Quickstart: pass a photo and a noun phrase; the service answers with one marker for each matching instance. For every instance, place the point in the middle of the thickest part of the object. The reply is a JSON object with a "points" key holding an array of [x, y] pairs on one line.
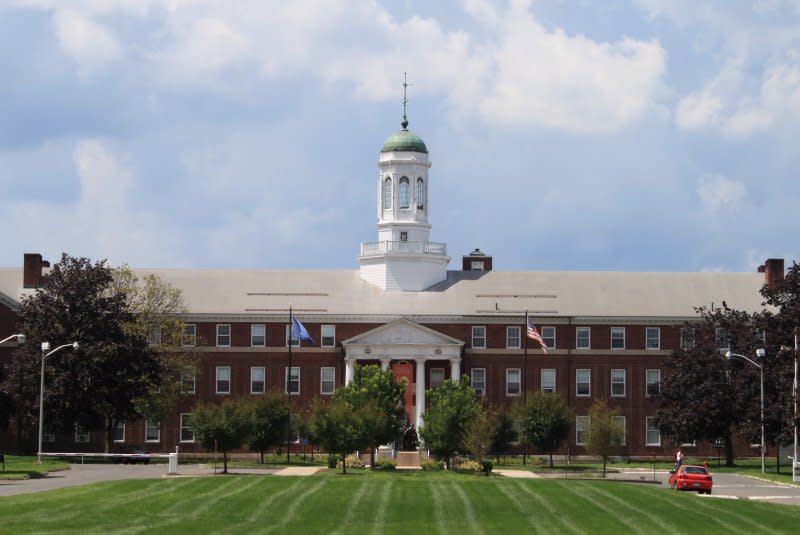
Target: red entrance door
{"points": [[404, 370]]}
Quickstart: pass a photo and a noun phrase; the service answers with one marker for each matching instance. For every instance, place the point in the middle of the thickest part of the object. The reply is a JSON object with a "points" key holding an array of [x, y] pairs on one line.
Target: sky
{"points": [[637, 135]]}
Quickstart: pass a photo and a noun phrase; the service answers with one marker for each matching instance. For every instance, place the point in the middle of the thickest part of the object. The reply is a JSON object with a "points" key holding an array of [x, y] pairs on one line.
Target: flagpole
{"points": [[289, 392], [525, 386]]}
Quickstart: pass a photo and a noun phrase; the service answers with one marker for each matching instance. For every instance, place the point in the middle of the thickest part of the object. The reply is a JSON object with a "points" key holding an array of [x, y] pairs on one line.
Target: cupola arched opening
{"points": [[420, 194], [387, 193], [403, 193]]}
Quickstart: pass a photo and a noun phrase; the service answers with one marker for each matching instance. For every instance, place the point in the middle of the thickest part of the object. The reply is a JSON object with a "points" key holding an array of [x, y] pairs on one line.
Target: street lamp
{"points": [[20, 338], [46, 353], [760, 353]]}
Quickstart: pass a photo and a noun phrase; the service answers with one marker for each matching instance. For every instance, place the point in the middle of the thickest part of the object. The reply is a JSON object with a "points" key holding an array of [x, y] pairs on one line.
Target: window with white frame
{"points": [[652, 433], [223, 335], [327, 380], [387, 193], [82, 435], [187, 433], [652, 382], [118, 433], [223, 380], [512, 337], [582, 424], [549, 337], [617, 337], [687, 338], [617, 383], [292, 385], [152, 431], [437, 377], [188, 379], [257, 379], [328, 338], [722, 339], [478, 380], [759, 336], [620, 420], [189, 334], [478, 337], [548, 380], [583, 338], [583, 382], [258, 335], [513, 382], [403, 193], [295, 342], [420, 194], [653, 338]]}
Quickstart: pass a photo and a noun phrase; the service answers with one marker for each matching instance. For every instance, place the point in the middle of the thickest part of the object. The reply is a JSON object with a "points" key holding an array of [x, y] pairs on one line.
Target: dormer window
{"points": [[387, 194], [420, 194], [404, 193]]}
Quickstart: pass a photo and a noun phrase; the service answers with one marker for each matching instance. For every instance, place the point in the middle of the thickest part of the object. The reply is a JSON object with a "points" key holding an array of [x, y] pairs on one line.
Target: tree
{"points": [[337, 427], [223, 427], [605, 433], [378, 389], [543, 421], [452, 406], [479, 432], [97, 384], [270, 418], [504, 434]]}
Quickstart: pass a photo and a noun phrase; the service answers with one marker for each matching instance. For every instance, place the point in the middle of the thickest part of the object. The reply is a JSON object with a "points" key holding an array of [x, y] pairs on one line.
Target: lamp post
{"points": [[46, 353], [760, 353], [20, 339]]}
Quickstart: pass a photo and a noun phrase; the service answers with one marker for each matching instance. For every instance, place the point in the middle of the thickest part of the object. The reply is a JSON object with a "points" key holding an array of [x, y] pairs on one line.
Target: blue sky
{"points": [[564, 135]]}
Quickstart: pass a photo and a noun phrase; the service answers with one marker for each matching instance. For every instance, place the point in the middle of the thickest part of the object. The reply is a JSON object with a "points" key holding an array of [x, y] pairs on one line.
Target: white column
{"points": [[349, 372], [420, 403], [455, 369], [385, 363]]}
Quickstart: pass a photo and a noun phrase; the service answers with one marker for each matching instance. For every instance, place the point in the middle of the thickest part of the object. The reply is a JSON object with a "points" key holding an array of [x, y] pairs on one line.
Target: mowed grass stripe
{"points": [[378, 527], [539, 492], [291, 511], [610, 520], [457, 487], [358, 509], [438, 507], [733, 522], [538, 522], [646, 516], [263, 508]]}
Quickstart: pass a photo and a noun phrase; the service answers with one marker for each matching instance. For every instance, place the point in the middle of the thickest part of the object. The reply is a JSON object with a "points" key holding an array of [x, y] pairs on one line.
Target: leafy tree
{"points": [[337, 427], [504, 434], [543, 421], [605, 433], [98, 384], [378, 389], [223, 427], [452, 407], [479, 432], [270, 418]]}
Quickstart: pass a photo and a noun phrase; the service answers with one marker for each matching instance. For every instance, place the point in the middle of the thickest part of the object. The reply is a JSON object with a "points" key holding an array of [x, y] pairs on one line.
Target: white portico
{"points": [[404, 342]]}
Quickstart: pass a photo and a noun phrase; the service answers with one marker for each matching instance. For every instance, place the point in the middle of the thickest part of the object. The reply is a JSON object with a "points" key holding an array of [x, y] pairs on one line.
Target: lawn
{"points": [[24, 467], [383, 503]]}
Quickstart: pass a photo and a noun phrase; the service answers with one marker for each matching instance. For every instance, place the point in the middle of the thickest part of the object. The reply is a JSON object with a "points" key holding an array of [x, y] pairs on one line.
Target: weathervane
{"points": [[404, 124]]}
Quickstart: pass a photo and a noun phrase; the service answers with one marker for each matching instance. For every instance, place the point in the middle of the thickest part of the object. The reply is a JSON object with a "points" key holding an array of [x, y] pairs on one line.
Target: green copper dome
{"points": [[404, 140]]}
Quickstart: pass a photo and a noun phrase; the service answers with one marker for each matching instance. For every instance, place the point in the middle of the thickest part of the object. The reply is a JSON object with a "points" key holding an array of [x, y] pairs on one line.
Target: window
{"points": [[653, 338], [653, 382], [549, 337], [476, 265], [512, 337], [420, 194], [223, 379], [722, 338], [223, 335], [652, 434], [327, 380], [478, 377], [583, 383], [387, 194], [187, 382], [478, 337], [583, 339], [152, 431], [617, 383], [187, 433], [403, 235], [617, 337], [295, 342], [118, 433], [513, 382], [437, 377], [687, 338], [582, 424], [258, 335], [257, 375], [328, 336], [403, 194], [154, 335], [292, 385], [621, 423], [548, 380], [189, 334], [82, 434]]}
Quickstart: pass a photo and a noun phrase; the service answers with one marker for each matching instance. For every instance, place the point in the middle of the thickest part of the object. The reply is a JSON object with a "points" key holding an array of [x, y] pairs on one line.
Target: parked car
{"points": [[138, 454], [690, 477]]}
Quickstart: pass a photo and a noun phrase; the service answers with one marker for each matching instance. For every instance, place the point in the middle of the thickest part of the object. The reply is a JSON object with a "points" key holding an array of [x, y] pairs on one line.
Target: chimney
{"points": [[477, 260], [32, 270], [773, 271]]}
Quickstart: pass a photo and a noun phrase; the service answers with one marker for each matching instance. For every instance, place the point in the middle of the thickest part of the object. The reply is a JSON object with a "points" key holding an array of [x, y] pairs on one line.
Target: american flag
{"points": [[533, 334]]}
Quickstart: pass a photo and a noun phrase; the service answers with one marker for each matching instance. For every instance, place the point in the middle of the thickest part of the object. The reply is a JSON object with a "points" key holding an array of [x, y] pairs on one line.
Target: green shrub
{"points": [[385, 464], [468, 466], [430, 464], [486, 466], [352, 462], [332, 461]]}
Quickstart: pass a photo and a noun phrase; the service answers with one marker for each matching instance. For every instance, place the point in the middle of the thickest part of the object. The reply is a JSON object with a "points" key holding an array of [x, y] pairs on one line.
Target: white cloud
{"points": [[717, 191], [87, 42]]}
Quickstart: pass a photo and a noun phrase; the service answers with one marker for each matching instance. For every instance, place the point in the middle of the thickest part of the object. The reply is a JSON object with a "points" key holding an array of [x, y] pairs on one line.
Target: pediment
{"points": [[402, 332]]}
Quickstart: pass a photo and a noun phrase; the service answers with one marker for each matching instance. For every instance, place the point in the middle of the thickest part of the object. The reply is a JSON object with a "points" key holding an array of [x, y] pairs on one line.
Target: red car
{"points": [[689, 477]]}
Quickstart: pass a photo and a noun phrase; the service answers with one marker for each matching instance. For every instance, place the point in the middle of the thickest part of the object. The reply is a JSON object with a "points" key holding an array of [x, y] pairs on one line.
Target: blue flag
{"points": [[299, 331]]}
